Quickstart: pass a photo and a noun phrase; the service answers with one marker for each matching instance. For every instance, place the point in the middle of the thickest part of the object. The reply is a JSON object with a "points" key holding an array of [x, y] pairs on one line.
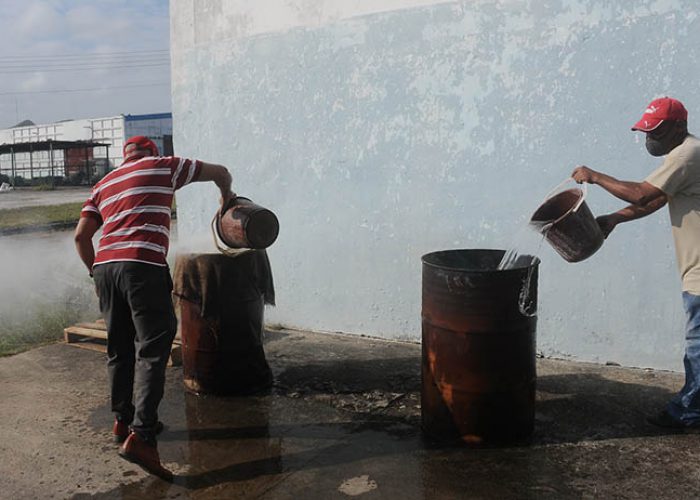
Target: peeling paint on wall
{"points": [[380, 135]]}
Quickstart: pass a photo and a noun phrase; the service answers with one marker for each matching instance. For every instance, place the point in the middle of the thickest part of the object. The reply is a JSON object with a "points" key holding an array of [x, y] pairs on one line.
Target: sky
{"points": [[70, 59]]}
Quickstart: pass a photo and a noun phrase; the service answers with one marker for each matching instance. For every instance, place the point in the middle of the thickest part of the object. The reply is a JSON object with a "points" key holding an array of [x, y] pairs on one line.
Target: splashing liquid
{"points": [[525, 303], [521, 254], [522, 248]]}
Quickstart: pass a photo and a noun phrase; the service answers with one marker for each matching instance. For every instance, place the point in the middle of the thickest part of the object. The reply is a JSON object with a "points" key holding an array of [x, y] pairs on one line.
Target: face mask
{"points": [[657, 147], [661, 142]]}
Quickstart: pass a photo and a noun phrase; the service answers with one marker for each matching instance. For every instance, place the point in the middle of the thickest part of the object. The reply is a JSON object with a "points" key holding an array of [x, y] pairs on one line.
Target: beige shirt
{"points": [[679, 178]]}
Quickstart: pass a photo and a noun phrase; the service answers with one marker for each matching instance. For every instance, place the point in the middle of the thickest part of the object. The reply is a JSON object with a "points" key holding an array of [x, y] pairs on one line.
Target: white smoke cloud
{"points": [[42, 284]]}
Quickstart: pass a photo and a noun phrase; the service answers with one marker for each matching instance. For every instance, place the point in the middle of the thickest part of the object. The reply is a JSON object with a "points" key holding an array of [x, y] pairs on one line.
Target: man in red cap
{"points": [[676, 182], [132, 205]]}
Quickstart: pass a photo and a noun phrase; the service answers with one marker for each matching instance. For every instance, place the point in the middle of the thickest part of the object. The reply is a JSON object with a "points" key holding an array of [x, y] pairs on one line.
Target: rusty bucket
{"points": [[478, 347], [568, 224], [243, 224]]}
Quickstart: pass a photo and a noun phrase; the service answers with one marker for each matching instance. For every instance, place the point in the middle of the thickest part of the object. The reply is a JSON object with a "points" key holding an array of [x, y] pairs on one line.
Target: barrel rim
{"points": [[579, 194], [535, 262]]}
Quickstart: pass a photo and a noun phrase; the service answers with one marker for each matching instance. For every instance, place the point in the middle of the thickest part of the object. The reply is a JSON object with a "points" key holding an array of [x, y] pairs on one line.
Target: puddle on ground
{"points": [[240, 446]]}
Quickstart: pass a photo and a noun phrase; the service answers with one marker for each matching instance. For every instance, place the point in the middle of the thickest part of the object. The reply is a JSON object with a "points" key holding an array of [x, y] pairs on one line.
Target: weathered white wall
{"points": [[382, 130]]}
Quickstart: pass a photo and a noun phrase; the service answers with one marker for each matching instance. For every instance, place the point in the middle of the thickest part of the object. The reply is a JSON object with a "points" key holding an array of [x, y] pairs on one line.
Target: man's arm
{"points": [[220, 176], [86, 229], [636, 193], [608, 222]]}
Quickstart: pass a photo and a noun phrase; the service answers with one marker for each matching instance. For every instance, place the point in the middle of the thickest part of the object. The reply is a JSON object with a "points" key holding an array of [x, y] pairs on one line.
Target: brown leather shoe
{"points": [[145, 455], [120, 431]]}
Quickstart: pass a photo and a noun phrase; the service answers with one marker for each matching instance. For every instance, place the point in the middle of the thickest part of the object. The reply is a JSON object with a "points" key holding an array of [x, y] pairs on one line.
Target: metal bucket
{"points": [[568, 224], [243, 224], [478, 348]]}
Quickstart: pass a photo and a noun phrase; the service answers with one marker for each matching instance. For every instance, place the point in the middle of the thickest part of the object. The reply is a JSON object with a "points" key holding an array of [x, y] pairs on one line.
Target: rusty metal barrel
{"points": [[478, 347], [220, 304]]}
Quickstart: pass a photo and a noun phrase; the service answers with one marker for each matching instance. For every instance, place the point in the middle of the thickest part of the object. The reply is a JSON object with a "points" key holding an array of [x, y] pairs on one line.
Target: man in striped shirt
{"points": [[132, 205]]}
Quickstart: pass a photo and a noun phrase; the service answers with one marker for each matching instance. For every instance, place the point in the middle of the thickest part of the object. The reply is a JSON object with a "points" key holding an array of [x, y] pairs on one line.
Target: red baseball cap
{"points": [[659, 110], [142, 142]]}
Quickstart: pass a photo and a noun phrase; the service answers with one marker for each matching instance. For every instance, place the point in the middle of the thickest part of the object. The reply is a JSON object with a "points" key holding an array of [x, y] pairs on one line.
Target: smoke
{"points": [[202, 241], [44, 287]]}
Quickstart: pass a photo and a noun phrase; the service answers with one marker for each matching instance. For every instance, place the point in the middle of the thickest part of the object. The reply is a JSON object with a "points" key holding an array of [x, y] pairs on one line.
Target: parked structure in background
{"points": [[77, 164], [75, 151]]}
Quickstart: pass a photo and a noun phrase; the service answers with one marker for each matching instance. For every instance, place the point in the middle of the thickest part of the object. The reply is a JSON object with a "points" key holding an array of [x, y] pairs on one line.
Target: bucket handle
{"points": [[584, 189]]}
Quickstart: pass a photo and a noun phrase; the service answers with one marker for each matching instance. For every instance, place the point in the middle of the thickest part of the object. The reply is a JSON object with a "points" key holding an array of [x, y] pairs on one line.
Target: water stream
{"points": [[525, 247], [526, 244]]}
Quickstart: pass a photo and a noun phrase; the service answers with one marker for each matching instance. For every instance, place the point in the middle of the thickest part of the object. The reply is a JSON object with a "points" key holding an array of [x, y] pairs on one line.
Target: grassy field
{"points": [[43, 327], [42, 321], [31, 216]]}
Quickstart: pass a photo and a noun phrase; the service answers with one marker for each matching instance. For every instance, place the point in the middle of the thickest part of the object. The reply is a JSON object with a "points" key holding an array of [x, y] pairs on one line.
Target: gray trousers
{"points": [[136, 302]]}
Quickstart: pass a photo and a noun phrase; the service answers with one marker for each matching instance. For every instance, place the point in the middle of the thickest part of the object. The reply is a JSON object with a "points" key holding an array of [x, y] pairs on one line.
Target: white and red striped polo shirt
{"points": [[132, 203]]}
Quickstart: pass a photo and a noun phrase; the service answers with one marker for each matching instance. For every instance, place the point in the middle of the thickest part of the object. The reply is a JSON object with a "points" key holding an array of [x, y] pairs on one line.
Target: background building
{"points": [[111, 131]]}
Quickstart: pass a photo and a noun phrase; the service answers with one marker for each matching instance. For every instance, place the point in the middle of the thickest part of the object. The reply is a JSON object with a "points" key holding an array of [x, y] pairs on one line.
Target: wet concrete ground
{"points": [[342, 421]]}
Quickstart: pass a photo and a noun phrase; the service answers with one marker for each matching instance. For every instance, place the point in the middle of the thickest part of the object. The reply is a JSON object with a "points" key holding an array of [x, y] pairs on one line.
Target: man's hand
{"points": [[607, 223], [225, 199], [584, 174]]}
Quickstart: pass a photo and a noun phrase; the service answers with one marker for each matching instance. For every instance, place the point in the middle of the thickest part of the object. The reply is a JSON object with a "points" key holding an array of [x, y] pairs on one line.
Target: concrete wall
{"points": [[382, 130]]}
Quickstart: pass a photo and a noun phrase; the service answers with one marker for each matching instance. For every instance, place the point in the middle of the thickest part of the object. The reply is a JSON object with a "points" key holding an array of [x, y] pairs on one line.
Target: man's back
{"points": [[133, 205]]}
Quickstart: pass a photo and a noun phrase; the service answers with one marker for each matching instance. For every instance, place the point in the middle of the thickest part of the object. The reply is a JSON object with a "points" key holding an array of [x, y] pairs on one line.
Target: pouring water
{"points": [[524, 247]]}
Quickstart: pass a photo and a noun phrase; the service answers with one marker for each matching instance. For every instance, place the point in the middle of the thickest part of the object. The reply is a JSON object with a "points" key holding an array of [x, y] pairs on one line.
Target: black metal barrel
{"points": [[478, 350]]}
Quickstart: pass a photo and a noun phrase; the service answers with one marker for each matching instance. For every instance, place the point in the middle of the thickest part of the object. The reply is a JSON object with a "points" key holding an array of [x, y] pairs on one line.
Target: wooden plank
{"points": [[99, 325], [93, 326], [93, 339], [86, 332], [80, 331]]}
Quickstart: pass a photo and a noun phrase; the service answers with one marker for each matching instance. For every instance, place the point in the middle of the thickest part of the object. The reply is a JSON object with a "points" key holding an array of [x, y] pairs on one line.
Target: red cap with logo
{"points": [[142, 142], [660, 110]]}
